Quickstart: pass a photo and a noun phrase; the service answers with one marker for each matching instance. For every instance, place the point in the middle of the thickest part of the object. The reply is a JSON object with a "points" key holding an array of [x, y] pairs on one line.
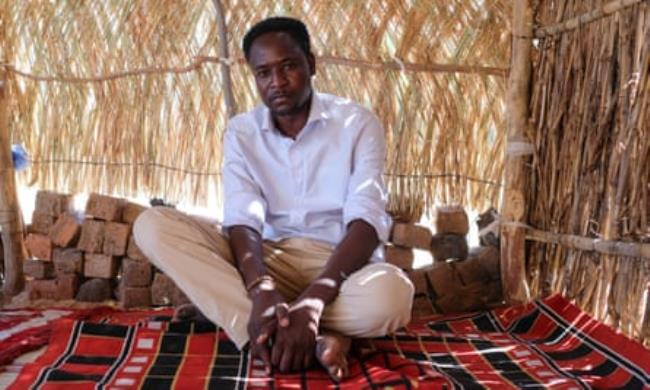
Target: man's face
{"points": [[282, 72]]}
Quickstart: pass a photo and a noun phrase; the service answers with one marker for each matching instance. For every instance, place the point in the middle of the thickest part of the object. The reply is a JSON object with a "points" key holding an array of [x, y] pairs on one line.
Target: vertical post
{"points": [[10, 218], [231, 106], [516, 173]]}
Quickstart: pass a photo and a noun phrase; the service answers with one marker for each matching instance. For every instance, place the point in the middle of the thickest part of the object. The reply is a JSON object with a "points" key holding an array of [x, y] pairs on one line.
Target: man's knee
{"points": [[149, 226], [390, 294]]}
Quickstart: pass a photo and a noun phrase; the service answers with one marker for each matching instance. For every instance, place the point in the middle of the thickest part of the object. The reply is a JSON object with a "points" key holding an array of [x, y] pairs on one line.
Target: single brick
{"points": [[100, 266], [489, 258], [52, 203], [422, 307], [41, 223], [94, 290], [39, 246], [38, 269], [451, 220], [133, 251], [494, 293], [65, 231], [179, 298], [104, 207], [470, 271], [463, 299], [448, 246], [419, 279], [131, 212], [399, 256], [411, 236], [443, 278], [116, 238], [134, 296], [136, 273], [488, 227], [162, 290], [92, 236], [67, 285], [42, 289], [68, 261]]}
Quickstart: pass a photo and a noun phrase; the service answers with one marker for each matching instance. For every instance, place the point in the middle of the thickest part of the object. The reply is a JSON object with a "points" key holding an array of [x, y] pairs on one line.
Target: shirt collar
{"points": [[317, 112]]}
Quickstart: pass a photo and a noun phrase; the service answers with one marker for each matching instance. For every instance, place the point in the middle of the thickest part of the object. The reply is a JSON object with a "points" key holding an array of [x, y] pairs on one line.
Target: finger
{"points": [[287, 361], [298, 362], [264, 354], [282, 314], [276, 354], [266, 332], [308, 360]]}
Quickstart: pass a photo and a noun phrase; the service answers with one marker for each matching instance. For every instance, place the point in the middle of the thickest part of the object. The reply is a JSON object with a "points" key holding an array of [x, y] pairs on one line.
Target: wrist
{"points": [[261, 284], [325, 290], [312, 308]]}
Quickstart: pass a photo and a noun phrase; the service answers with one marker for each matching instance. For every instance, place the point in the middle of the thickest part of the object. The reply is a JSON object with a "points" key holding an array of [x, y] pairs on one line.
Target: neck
{"points": [[291, 124]]}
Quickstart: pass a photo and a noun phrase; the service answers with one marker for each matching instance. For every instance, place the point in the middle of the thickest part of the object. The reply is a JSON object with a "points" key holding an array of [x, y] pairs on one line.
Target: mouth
{"points": [[279, 97]]}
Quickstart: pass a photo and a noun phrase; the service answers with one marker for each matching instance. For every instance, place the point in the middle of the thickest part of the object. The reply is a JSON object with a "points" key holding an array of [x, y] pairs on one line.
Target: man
{"points": [[298, 271]]}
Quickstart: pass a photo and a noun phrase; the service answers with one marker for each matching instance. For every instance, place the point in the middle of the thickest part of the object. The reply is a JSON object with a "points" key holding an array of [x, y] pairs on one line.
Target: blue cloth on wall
{"points": [[20, 157]]}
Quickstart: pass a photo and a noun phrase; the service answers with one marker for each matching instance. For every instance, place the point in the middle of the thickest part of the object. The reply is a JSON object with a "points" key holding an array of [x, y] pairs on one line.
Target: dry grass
{"points": [[160, 133], [591, 171]]}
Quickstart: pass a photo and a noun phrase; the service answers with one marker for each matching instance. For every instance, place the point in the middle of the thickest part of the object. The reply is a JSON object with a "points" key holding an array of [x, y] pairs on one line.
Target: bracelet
{"points": [[259, 280]]}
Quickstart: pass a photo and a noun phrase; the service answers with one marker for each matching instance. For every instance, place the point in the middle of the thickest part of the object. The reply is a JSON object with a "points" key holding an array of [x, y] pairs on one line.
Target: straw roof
{"points": [[434, 71]]}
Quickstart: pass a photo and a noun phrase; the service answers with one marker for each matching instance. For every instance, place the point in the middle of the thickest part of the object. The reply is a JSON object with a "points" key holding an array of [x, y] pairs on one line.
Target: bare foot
{"points": [[189, 312], [332, 351]]}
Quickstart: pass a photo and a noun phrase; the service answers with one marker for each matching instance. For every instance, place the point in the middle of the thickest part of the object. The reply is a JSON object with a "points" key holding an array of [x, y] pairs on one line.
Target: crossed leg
{"points": [[372, 302]]}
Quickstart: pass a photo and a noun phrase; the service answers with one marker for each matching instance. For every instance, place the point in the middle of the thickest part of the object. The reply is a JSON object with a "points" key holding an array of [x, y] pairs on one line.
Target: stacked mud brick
{"points": [[94, 257], [52, 271], [460, 279], [404, 239]]}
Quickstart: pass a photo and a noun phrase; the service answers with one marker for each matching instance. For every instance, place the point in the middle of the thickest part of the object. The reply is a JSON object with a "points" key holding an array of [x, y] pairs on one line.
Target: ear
{"points": [[311, 60]]}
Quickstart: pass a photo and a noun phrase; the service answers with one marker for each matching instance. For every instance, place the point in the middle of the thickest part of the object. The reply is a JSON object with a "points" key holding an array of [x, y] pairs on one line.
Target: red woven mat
{"points": [[547, 343], [25, 330]]}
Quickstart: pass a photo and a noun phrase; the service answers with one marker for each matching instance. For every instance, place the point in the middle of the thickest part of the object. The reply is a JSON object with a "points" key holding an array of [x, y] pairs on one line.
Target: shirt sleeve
{"points": [[366, 196], [243, 200]]}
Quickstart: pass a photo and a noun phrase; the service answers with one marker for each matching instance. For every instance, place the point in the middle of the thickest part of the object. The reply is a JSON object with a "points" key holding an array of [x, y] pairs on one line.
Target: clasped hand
{"points": [[283, 335]]}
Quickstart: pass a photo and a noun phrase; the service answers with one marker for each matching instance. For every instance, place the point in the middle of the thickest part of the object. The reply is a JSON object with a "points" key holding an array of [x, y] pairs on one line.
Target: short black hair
{"points": [[294, 27]]}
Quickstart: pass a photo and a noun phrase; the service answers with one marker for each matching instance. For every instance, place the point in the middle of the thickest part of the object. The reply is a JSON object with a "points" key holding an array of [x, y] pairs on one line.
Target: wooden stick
{"points": [[411, 67], [593, 15], [231, 106], [608, 247], [10, 218], [199, 61], [516, 175]]}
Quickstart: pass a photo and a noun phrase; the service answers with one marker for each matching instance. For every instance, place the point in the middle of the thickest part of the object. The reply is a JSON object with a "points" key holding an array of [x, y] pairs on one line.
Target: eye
{"points": [[289, 66], [262, 73]]}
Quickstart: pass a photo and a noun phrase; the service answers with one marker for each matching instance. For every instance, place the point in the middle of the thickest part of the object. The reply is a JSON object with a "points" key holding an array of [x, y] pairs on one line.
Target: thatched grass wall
{"points": [[435, 73], [591, 170]]}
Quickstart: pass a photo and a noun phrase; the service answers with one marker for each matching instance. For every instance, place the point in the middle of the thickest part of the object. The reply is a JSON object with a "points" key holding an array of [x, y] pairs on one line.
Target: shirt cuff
{"points": [[248, 211], [380, 221]]}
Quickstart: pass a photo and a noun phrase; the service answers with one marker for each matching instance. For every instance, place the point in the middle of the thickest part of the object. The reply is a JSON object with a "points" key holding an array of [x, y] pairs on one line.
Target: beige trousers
{"points": [[374, 301]]}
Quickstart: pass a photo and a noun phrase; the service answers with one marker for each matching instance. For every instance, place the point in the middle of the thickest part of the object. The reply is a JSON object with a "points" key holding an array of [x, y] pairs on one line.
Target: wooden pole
{"points": [[593, 15], [607, 247], [516, 172], [412, 67], [10, 217], [231, 106], [199, 61]]}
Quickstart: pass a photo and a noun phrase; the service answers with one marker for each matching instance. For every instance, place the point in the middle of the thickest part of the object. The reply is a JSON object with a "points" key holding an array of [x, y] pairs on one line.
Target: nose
{"points": [[279, 78]]}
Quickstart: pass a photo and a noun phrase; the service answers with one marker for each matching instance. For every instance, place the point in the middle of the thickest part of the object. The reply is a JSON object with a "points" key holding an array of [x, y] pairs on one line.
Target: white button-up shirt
{"points": [[313, 186]]}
